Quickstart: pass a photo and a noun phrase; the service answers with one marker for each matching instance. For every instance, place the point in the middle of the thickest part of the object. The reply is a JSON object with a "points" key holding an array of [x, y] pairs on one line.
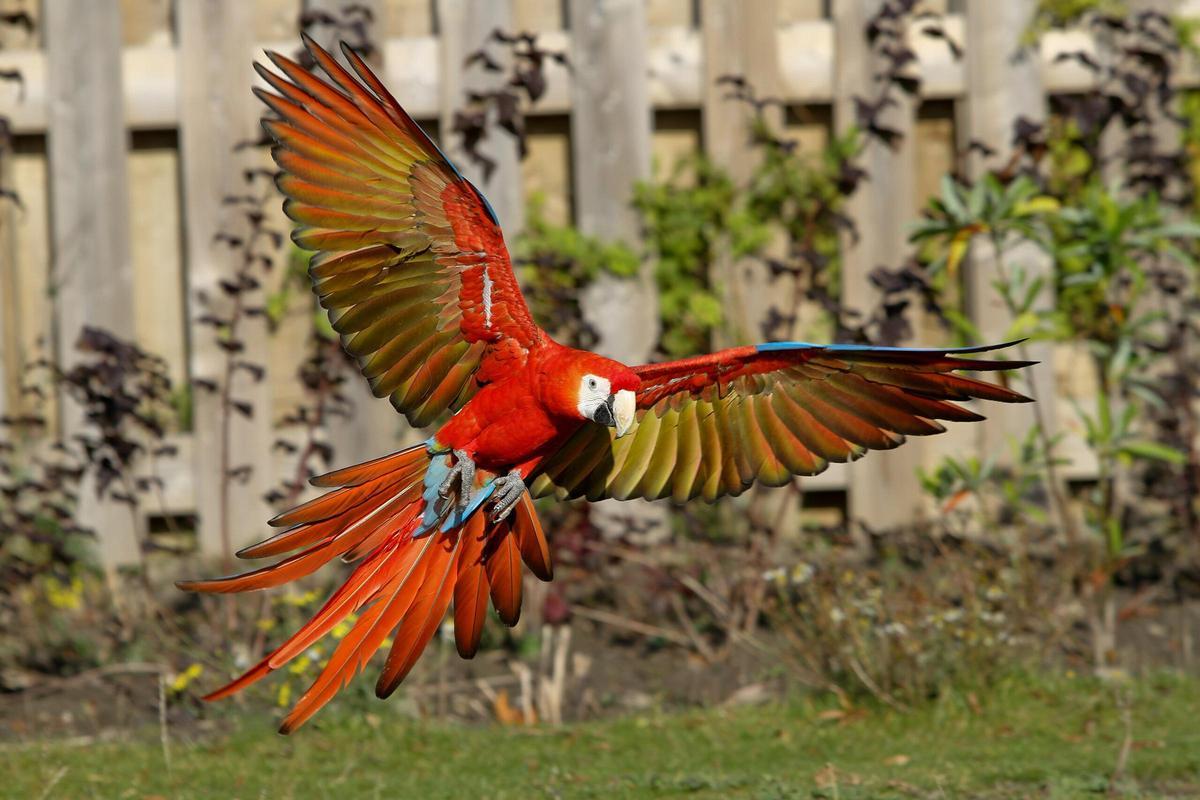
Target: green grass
{"points": [[1057, 738]]}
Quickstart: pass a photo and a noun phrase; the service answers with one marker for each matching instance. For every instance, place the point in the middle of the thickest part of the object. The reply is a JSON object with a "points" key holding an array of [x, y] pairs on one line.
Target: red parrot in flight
{"points": [[411, 265]]}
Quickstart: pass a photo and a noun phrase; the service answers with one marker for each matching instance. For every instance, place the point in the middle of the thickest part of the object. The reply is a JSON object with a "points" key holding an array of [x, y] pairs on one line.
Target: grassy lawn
{"points": [[1055, 738]]}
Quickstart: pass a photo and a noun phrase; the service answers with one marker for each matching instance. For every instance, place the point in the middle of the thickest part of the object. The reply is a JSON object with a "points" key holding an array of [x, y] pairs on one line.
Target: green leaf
{"points": [[977, 200], [1042, 204], [951, 200], [276, 307], [1141, 448], [1024, 326], [1181, 230], [706, 308], [324, 328]]}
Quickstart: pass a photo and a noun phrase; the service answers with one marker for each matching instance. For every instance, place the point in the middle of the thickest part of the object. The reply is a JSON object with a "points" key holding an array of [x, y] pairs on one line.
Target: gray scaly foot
{"points": [[464, 472], [508, 491]]}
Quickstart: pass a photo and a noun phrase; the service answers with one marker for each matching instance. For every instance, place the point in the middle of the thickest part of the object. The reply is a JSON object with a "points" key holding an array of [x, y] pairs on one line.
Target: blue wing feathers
{"points": [[785, 347]]}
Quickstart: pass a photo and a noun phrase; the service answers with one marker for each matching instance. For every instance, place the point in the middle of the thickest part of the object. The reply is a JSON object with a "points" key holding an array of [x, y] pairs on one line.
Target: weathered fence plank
{"points": [[156, 227], [996, 98], [739, 41], [466, 26], [373, 427], [10, 320], [92, 269], [152, 99], [28, 303], [611, 128], [881, 209], [217, 113]]}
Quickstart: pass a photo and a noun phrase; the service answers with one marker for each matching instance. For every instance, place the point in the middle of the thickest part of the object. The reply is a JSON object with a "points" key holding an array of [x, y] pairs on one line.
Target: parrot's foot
{"points": [[463, 471], [509, 489]]}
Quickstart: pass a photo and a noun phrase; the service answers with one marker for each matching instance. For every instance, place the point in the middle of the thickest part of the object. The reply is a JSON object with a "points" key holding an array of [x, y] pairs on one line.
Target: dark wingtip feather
{"points": [[980, 365], [310, 44], [279, 59], [983, 348], [267, 98], [263, 72], [987, 348]]}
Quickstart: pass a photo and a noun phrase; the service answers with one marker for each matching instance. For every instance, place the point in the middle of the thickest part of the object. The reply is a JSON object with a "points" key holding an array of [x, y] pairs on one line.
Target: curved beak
{"points": [[623, 404]]}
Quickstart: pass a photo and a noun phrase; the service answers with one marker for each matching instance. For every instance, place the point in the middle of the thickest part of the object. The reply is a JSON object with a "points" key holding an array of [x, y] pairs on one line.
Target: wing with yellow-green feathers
{"points": [[410, 260], [714, 425]]}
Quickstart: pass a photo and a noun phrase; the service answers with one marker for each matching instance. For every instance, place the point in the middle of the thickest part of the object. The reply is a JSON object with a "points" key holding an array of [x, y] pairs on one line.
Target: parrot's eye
{"points": [[591, 383]]}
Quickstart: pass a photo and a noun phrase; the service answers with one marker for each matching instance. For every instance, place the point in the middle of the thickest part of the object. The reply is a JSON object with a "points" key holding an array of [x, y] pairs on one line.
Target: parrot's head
{"points": [[597, 389]]}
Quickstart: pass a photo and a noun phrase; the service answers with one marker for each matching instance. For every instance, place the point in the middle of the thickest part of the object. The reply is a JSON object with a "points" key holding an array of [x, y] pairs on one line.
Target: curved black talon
{"points": [[462, 471], [509, 489]]}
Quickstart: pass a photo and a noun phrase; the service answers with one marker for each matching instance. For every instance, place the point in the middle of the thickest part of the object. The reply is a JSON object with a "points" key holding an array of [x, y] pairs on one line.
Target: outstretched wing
{"points": [[411, 262], [713, 425]]}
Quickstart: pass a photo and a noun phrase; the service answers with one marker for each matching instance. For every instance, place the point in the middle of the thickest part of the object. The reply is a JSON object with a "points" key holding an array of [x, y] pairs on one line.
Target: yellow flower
{"points": [[301, 600], [284, 695], [187, 676], [65, 596]]}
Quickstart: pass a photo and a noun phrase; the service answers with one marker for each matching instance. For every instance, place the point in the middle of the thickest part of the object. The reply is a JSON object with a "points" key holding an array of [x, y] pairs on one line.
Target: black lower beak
{"points": [[604, 413]]}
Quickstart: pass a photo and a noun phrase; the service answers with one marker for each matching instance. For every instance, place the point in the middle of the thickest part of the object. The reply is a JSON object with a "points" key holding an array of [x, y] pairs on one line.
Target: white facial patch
{"points": [[593, 393]]}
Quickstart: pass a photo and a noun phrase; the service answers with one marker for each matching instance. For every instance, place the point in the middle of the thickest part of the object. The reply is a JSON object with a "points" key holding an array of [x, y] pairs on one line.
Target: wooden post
{"points": [[739, 39], [995, 98], [216, 113], [373, 427], [883, 488], [10, 353], [92, 270], [611, 127], [466, 26], [28, 305]]}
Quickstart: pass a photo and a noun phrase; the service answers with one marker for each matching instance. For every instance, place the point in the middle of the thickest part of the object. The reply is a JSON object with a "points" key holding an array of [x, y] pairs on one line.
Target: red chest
{"points": [[505, 425]]}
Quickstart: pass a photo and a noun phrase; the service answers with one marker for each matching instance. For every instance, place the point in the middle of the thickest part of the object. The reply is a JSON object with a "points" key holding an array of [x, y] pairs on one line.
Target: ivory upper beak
{"points": [[624, 406]]}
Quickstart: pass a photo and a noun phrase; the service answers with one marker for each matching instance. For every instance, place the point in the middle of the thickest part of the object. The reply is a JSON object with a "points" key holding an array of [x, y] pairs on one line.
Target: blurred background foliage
{"points": [[1020, 569]]}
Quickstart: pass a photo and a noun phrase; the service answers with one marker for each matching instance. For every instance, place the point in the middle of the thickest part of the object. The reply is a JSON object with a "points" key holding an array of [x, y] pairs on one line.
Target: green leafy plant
{"points": [[988, 493], [1106, 247], [1057, 14], [556, 262], [684, 219]]}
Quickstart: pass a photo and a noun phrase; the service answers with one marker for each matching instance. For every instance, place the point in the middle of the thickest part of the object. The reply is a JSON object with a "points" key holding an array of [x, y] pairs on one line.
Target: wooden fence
{"points": [[125, 151]]}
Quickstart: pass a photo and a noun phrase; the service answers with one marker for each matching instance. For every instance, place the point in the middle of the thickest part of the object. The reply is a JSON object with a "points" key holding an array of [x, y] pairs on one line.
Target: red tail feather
{"points": [[405, 584], [503, 563]]}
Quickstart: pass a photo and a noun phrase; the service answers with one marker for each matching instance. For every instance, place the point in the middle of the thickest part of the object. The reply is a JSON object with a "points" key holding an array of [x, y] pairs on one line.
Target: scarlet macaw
{"points": [[412, 267]]}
